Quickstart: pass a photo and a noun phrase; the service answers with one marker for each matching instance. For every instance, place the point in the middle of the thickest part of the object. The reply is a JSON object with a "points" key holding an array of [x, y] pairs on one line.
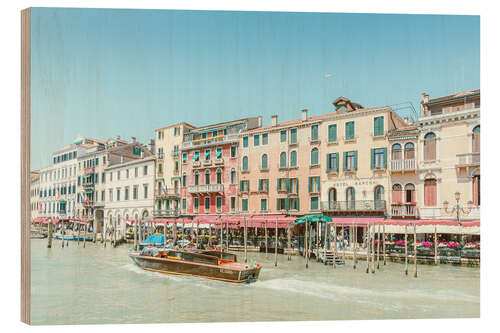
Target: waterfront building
{"points": [[167, 190], [129, 175], [210, 161], [58, 181], [34, 194], [449, 154]]}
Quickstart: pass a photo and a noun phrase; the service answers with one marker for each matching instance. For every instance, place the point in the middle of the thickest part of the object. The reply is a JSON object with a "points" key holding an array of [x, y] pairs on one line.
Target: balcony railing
{"points": [[404, 210], [468, 159], [196, 164], [217, 140], [166, 212], [207, 188], [207, 162], [353, 205], [314, 140], [218, 161], [403, 165], [168, 194], [175, 153]]}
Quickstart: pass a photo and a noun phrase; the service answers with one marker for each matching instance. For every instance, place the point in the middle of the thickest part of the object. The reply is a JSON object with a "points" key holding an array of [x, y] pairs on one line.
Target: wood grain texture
{"points": [[25, 165]]}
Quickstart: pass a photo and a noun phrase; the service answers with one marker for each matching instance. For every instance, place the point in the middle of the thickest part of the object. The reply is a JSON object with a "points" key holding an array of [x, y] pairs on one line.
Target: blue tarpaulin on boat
{"points": [[153, 240]]}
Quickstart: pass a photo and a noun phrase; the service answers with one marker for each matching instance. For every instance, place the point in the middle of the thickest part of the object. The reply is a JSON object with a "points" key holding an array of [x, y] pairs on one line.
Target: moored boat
{"points": [[207, 264]]}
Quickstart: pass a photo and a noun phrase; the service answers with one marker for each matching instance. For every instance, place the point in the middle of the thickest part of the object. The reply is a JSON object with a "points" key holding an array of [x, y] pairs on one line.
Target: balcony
{"points": [[167, 195], [468, 160], [315, 140], [175, 153], [407, 210], [207, 188], [293, 142], [88, 185], [332, 171], [217, 140], [87, 171], [207, 162], [166, 213], [353, 206], [196, 164], [160, 156], [403, 165], [218, 161]]}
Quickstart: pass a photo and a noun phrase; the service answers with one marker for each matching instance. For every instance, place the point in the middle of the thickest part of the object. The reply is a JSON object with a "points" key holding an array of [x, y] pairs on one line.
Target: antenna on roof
{"points": [[405, 109]]}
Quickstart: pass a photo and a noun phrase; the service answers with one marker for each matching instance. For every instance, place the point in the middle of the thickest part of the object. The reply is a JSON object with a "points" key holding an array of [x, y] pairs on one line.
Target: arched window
{"points": [[283, 160], [233, 176], [397, 194], [396, 151], [244, 165], [378, 197], [263, 164], [410, 193], [332, 198], [475, 139], [196, 178], [219, 176], [430, 147], [351, 197], [430, 192], [207, 177], [409, 151], [293, 159], [314, 156], [476, 190]]}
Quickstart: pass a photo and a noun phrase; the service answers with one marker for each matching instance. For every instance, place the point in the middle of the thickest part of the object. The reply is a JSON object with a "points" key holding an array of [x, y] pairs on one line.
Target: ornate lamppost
{"points": [[458, 209]]}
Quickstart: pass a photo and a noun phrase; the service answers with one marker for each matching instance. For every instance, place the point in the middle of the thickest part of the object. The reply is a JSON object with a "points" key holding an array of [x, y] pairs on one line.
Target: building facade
{"points": [[449, 155]]}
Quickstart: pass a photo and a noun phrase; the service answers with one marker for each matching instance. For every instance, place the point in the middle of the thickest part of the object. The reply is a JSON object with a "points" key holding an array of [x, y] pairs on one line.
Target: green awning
{"points": [[62, 201], [311, 219], [218, 153], [184, 157], [89, 191], [210, 130], [161, 178], [207, 153], [196, 156], [87, 175]]}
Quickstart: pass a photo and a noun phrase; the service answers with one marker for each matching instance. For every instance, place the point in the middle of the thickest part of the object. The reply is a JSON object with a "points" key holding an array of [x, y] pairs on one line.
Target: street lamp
{"points": [[458, 209]]}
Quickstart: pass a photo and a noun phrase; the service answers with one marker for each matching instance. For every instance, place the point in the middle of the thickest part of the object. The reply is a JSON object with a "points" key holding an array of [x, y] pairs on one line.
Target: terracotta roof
{"points": [[176, 124], [457, 95]]}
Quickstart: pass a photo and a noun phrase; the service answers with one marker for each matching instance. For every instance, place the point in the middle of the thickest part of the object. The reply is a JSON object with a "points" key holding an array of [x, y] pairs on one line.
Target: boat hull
{"points": [[180, 267]]}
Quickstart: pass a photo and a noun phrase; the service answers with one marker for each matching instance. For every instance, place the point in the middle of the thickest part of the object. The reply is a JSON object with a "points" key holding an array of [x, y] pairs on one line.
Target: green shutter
{"points": [[332, 133], [372, 154], [355, 160], [277, 204], [287, 204], [241, 186], [287, 182], [385, 158], [297, 201], [345, 160], [319, 184], [337, 162]]}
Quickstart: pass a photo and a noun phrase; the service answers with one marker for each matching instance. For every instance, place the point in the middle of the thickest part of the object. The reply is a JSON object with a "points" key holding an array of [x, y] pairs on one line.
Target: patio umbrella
{"points": [[311, 218]]}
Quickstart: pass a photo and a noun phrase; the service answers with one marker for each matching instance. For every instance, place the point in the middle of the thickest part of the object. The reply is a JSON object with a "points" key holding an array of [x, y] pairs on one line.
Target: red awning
{"points": [[475, 223], [356, 221]]}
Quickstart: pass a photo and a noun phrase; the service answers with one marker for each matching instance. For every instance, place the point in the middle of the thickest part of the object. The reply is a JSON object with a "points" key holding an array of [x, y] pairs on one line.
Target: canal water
{"points": [[101, 285]]}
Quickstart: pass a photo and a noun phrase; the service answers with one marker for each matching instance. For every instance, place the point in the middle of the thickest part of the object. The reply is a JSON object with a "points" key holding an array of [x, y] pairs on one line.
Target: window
{"points": [[351, 197], [263, 164], [184, 157], [378, 126], [396, 152], [293, 159], [476, 135], [110, 194], [145, 171], [349, 130], [245, 141], [283, 136], [378, 197], [233, 176], [350, 160], [184, 204], [332, 198], [314, 184], [378, 158], [294, 186], [256, 140], [410, 193], [127, 172], [145, 191], [263, 205], [283, 184], [218, 175], [332, 133], [117, 194], [103, 194], [207, 177], [196, 204], [196, 177], [293, 135], [397, 194], [111, 176], [264, 185], [233, 151], [409, 151], [244, 205], [126, 193], [332, 162], [283, 160], [118, 175], [264, 139], [430, 198], [244, 186], [207, 204], [207, 155], [314, 156], [218, 153], [134, 192], [314, 132], [283, 203], [244, 164], [314, 203], [430, 147], [476, 190], [136, 172], [218, 203], [233, 204]]}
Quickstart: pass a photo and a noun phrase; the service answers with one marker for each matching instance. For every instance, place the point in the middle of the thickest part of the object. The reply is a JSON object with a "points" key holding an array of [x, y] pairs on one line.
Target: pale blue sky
{"points": [[106, 72]]}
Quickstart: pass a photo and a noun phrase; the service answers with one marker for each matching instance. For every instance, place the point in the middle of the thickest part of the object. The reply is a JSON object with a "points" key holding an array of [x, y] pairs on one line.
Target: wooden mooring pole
{"points": [[289, 242], [135, 235], [245, 237], [197, 233], [317, 240], [182, 235], [383, 238], [378, 247], [276, 244], [265, 234], [355, 236], [306, 250], [415, 249], [406, 250], [334, 246], [435, 246], [62, 234], [368, 235], [78, 233], [373, 248], [85, 235], [165, 234], [342, 242], [49, 237]]}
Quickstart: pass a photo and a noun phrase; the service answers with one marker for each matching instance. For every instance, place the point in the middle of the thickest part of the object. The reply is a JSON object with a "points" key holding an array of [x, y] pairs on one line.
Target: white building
{"points": [[129, 193]]}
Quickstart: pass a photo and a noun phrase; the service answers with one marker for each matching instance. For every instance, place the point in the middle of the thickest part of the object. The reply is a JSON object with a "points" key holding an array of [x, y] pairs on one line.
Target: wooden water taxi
{"points": [[207, 264]]}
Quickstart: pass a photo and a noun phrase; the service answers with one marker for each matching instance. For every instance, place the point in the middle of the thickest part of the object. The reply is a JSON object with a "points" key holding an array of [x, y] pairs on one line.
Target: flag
{"points": [[165, 190], [57, 193], [40, 206]]}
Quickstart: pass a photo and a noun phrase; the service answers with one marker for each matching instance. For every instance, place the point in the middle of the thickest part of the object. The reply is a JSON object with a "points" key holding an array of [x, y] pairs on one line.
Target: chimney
{"points": [[117, 137], [151, 144], [425, 98], [304, 114], [133, 139], [406, 120], [121, 159], [274, 120], [259, 121], [424, 109]]}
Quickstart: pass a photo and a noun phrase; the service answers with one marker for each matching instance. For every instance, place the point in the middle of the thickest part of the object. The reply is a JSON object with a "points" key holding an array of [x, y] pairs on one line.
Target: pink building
{"points": [[209, 164]]}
